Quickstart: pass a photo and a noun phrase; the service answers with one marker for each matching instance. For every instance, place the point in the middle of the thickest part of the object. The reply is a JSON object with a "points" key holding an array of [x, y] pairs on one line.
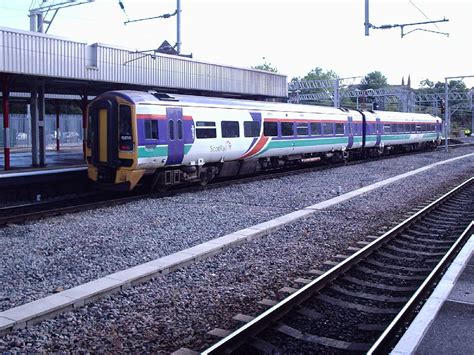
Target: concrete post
{"points": [[84, 103], [6, 122], [56, 106], [41, 121], [34, 125]]}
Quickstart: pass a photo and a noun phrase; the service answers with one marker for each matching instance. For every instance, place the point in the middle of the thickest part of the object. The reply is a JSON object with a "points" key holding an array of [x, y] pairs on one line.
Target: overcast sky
{"points": [[293, 35]]}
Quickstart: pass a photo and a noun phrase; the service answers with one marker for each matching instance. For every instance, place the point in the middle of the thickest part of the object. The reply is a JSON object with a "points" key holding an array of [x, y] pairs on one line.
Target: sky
{"points": [[295, 36]]}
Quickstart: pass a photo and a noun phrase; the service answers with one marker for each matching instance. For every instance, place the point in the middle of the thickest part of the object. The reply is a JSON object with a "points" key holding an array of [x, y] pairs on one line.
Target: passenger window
{"points": [[339, 128], [387, 128], [315, 128], [287, 129], [230, 129], [302, 129], [206, 130], [251, 129], [418, 128], [171, 129], [270, 129], [327, 128], [412, 128], [180, 129], [151, 129]]}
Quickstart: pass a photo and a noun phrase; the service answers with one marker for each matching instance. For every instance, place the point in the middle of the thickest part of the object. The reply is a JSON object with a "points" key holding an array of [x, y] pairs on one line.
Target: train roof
{"points": [[146, 98]]}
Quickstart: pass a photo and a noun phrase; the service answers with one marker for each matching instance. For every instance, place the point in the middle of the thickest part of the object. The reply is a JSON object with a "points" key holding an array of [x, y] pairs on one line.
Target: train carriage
{"points": [[160, 140]]}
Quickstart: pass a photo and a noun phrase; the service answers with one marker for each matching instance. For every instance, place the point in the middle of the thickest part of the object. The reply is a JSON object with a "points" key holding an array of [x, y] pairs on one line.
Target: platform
{"points": [[445, 324], [20, 158], [65, 164]]}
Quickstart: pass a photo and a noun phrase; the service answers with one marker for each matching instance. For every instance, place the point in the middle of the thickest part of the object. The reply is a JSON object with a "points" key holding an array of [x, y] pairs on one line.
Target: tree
{"points": [[426, 84], [318, 74], [373, 80], [267, 67]]}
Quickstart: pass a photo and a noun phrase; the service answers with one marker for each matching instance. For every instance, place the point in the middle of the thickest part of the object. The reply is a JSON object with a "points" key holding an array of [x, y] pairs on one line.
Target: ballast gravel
{"points": [[178, 309], [54, 254]]}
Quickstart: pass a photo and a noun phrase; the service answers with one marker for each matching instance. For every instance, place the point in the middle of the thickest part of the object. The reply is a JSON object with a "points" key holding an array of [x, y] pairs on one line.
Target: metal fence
{"points": [[70, 130]]}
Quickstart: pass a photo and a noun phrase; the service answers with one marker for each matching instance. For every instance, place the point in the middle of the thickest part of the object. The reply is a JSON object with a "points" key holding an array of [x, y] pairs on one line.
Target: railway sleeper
{"points": [[377, 286], [358, 307], [398, 268], [324, 341], [412, 244], [415, 252], [408, 235], [369, 296], [264, 346], [389, 275]]}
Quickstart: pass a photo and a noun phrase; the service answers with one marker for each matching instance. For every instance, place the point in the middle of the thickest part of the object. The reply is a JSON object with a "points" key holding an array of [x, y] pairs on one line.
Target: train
{"points": [[159, 140]]}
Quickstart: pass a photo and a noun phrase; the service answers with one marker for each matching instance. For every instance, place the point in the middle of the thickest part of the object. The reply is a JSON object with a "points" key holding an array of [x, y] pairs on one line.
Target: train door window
{"points": [[180, 129], [327, 128], [287, 129], [230, 129], [315, 128], [302, 129], [151, 129], [251, 129], [206, 130], [125, 128], [339, 128], [171, 130], [270, 129]]}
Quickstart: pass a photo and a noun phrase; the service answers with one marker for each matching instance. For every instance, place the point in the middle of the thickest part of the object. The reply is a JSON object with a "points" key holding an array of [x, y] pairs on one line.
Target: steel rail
{"points": [[261, 322], [383, 343], [45, 211]]}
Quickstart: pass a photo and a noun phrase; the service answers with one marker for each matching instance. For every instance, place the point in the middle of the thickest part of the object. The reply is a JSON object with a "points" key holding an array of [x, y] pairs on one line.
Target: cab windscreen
{"points": [[125, 128]]}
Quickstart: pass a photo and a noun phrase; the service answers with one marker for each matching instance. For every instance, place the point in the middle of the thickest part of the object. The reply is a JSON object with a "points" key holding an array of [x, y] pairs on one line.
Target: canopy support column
{"points": [[6, 122]]}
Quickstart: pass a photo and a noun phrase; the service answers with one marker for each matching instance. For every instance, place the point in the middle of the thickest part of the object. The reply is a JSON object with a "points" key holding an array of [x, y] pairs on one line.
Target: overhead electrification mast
{"points": [[39, 14], [402, 26]]}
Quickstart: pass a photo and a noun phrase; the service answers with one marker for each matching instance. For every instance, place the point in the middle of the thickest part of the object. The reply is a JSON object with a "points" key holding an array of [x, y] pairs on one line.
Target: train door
{"points": [[102, 132], [174, 117], [378, 131], [350, 132]]}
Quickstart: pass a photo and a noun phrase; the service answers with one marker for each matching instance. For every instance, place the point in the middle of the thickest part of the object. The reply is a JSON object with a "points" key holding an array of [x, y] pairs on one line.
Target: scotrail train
{"points": [[140, 138]]}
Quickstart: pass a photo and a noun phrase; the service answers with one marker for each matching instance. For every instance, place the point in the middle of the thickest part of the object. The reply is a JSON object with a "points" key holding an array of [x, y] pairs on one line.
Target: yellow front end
{"points": [[111, 149]]}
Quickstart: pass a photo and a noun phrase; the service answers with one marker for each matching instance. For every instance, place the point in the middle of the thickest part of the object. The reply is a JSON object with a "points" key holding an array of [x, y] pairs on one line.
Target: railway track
{"points": [[362, 303], [91, 200], [96, 199]]}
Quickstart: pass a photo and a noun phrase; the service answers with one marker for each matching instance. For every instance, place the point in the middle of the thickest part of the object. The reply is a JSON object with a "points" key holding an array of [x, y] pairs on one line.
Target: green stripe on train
{"points": [[158, 151], [393, 137], [304, 143]]}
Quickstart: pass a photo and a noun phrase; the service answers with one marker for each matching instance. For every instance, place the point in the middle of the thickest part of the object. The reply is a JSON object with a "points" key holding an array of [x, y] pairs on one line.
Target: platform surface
{"points": [[445, 324], [20, 159]]}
